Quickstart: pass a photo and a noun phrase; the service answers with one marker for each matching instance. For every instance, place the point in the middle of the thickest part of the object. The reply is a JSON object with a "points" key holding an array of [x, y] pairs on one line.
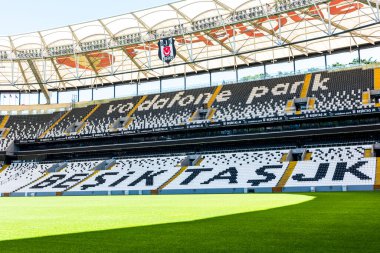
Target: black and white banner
{"points": [[166, 50]]}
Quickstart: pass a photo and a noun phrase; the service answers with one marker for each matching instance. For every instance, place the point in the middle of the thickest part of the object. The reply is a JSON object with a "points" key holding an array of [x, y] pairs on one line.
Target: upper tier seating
{"points": [[169, 109], [104, 117], [340, 91], [258, 99], [75, 115], [27, 127], [332, 92]]}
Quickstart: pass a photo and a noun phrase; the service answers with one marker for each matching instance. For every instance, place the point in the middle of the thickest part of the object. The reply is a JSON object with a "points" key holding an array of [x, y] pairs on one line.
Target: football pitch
{"points": [[313, 222]]}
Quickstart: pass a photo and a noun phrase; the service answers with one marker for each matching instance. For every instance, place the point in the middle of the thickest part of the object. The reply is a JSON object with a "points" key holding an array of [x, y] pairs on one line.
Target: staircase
{"points": [[170, 180], [367, 153], [377, 178], [306, 84], [87, 116], [214, 95], [289, 106], [307, 156], [54, 124], [131, 112], [283, 158], [5, 133], [376, 79], [84, 180], [366, 98], [34, 181], [4, 167], [4, 121], [209, 105], [288, 172]]}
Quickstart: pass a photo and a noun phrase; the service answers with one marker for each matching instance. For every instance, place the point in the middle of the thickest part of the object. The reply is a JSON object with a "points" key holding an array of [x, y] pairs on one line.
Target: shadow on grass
{"points": [[332, 222]]}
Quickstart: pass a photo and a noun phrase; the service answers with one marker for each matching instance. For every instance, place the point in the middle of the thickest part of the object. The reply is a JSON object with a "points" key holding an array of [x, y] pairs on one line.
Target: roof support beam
{"points": [[123, 49], [192, 65], [52, 61], [272, 33], [339, 26], [133, 60], [230, 10], [246, 60], [39, 80], [19, 63], [88, 58], [23, 73]]}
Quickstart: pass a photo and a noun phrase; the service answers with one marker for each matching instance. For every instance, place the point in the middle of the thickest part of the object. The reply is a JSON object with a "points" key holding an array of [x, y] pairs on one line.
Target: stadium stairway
{"points": [[134, 109], [130, 114], [306, 85], [376, 79], [30, 183], [289, 106], [210, 103], [304, 91], [4, 167], [288, 172], [4, 121], [212, 100], [308, 156], [54, 124], [377, 178], [367, 153], [80, 182], [179, 172], [183, 168], [83, 121], [5, 133]]}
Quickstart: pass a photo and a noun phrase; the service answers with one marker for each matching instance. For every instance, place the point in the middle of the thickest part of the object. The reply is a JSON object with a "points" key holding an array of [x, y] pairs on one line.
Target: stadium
{"points": [[198, 125]]}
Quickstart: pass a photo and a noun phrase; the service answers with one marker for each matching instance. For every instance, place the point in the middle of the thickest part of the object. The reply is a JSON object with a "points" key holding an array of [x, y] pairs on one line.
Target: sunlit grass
{"points": [[312, 222], [35, 217]]}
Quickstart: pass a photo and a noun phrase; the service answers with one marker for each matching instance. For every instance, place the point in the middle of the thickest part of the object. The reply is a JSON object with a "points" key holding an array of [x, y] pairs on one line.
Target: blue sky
{"points": [[22, 16]]}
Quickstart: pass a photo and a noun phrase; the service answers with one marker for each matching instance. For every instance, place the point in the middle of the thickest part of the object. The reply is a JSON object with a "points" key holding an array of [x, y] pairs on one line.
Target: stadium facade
{"points": [[197, 97]]}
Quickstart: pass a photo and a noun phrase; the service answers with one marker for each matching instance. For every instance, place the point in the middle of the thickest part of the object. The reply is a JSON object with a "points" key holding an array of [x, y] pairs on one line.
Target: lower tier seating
{"points": [[333, 166]]}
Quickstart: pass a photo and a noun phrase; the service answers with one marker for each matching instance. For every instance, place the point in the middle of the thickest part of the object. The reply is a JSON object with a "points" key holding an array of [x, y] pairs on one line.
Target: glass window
{"points": [[280, 69], [173, 84], [370, 55], [53, 97], [149, 87], [125, 90], [68, 96], [310, 64], [250, 73], [197, 81], [85, 94], [103, 93], [223, 77], [341, 60], [9, 98], [29, 98]]}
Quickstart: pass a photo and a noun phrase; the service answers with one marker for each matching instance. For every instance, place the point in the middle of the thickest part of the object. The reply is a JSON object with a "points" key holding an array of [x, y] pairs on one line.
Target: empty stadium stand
{"points": [[320, 94], [75, 116], [314, 169]]}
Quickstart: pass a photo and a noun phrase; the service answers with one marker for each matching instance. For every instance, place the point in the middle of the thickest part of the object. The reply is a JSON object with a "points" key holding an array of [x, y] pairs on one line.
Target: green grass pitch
{"points": [[313, 222]]}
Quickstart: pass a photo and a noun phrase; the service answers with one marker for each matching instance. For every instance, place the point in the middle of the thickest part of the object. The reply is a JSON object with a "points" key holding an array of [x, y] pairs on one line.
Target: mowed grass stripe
{"points": [[330, 222]]}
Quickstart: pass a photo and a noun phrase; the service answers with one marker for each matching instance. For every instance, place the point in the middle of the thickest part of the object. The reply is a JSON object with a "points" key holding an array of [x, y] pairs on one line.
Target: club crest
{"points": [[166, 50]]}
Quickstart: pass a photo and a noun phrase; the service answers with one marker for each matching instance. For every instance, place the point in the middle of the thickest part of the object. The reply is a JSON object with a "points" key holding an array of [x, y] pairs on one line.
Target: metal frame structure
{"points": [[210, 34]]}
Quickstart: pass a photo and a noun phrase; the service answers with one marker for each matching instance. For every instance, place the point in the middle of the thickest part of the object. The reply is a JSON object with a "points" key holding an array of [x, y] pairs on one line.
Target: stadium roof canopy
{"points": [[210, 34]]}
